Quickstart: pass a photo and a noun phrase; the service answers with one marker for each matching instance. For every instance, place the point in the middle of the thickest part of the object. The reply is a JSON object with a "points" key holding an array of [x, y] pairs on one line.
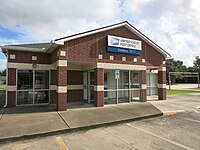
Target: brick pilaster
{"points": [[11, 82], [162, 84], [62, 88], [143, 86], [99, 87]]}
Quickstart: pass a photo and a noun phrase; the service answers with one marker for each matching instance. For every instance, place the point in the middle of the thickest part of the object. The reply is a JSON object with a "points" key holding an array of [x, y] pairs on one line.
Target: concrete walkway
{"points": [[178, 103], [16, 123]]}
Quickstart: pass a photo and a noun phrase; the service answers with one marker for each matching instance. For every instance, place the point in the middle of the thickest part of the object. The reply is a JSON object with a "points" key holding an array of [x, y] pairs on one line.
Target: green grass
{"points": [[176, 92], [2, 86]]}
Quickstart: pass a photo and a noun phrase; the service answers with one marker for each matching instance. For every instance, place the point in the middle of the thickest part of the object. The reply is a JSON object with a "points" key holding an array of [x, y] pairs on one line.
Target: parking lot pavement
{"points": [[179, 131]]}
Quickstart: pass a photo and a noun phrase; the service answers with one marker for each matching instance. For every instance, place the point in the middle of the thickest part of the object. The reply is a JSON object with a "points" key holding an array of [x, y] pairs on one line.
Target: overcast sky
{"points": [[172, 24]]}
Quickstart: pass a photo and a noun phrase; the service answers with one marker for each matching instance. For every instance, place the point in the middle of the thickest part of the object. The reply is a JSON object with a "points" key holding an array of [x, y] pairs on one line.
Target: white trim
{"points": [[126, 24], [62, 53], [111, 57], [162, 86], [62, 89], [143, 60], [143, 86], [100, 56], [34, 57], [98, 87], [123, 58], [12, 56], [61, 42], [135, 60], [53, 87], [162, 69], [60, 63], [29, 66], [120, 66], [21, 48], [74, 87], [12, 88]]}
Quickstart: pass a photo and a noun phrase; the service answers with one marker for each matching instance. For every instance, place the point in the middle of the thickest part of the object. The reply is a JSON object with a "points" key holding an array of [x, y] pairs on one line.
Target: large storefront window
{"points": [[32, 87], [125, 89]]}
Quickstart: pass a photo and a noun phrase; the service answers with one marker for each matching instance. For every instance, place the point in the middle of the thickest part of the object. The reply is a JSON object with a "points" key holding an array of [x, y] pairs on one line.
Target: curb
{"points": [[169, 113], [71, 130]]}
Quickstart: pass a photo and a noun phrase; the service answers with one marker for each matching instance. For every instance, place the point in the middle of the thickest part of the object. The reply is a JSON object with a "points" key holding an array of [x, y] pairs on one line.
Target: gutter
{"points": [[6, 102]]}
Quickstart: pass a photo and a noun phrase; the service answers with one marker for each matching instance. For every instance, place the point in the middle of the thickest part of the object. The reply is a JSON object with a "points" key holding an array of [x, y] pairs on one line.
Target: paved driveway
{"points": [[180, 131]]}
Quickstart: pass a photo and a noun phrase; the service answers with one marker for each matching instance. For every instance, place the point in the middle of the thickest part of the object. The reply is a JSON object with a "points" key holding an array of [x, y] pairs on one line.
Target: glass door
{"points": [[41, 87], [123, 87], [32, 87], [88, 86], [135, 86], [25, 87], [152, 81]]}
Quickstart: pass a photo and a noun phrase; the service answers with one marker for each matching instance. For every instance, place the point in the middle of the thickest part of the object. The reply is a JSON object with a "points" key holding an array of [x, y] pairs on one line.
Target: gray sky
{"points": [[172, 24]]}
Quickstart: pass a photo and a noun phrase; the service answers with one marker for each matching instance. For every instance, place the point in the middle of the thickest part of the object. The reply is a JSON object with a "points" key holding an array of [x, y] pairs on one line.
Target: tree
{"points": [[3, 72], [197, 64], [174, 66]]}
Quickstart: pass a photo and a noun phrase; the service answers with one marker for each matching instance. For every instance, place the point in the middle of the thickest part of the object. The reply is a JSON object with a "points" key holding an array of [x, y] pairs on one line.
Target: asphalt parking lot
{"points": [[179, 131]]}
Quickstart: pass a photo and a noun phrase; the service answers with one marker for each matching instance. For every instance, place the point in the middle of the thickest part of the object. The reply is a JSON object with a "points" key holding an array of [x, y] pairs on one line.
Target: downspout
{"points": [[6, 102]]}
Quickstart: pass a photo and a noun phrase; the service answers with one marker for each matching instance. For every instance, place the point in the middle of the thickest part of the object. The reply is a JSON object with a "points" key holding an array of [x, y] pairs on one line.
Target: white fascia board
{"points": [[88, 33], [147, 40], [19, 48]]}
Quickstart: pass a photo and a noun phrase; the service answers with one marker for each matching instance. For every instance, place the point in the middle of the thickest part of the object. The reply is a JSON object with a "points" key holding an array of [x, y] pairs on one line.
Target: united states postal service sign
{"points": [[123, 45]]}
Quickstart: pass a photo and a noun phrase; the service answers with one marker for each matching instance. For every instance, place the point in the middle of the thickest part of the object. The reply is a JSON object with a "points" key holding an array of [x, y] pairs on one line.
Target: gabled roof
{"points": [[49, 47], [125, 24]]}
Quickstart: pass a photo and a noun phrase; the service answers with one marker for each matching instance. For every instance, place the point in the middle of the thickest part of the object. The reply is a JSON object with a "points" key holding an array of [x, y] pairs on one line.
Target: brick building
{"points": [[110, 65]]}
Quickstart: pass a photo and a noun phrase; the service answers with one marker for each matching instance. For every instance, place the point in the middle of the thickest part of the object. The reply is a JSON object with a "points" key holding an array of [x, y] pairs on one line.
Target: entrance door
{"points": [[152, 82], [88, 86], [32, 87]]}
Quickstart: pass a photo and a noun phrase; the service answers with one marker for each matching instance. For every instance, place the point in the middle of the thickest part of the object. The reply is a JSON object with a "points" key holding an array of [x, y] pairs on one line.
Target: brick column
{"points": [[62, 88], [62, 79], [53, 86], [99, 87], [143, 86], [11, 87], [162, 83]]}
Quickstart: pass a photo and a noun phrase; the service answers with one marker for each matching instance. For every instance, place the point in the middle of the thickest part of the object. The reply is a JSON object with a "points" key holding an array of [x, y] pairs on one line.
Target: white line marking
{"points": [[157, 136], [61, 143]]}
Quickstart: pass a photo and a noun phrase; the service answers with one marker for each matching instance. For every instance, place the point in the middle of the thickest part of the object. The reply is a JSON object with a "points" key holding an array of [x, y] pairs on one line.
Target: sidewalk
{"points": [[29, 122], [178, 103]]}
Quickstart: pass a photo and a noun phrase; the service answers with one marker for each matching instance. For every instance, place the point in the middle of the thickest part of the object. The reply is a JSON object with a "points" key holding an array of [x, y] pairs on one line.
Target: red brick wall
{"points": [[62, 101], [74, 77], [62, 76], [82, 49], [26, 57], [53, 97], [75, 95], [11, 76], [87, 49], [53, 76], [11, 98]]}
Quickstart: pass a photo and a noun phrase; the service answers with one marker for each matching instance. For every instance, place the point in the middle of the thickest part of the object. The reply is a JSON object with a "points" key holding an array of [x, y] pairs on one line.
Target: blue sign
{"points": [[123, 50], [123, 45]]}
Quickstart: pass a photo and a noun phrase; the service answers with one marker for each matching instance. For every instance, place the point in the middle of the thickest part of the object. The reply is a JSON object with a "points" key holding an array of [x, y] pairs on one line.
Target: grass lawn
{"points": [[2, 86], [176, 92]]}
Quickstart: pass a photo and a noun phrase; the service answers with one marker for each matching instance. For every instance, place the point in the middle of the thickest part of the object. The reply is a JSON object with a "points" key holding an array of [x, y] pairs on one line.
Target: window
{"points": [[32, 87], [125, 89]]}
